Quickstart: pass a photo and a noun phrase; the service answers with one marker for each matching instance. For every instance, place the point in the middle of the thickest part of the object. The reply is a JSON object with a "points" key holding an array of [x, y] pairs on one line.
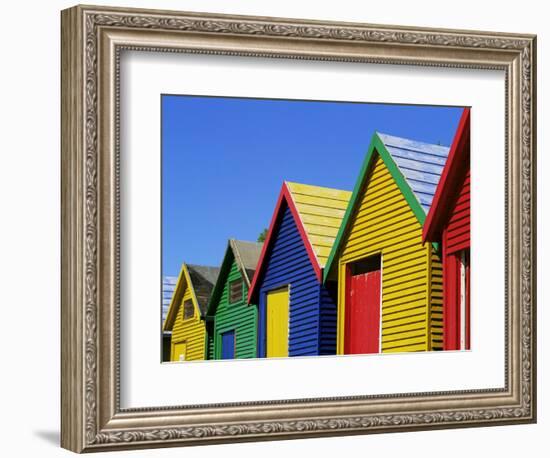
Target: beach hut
{"points": [[297, 313], [448, 222], [389, 281], [168, 286], [232, 322], [187, 312]]}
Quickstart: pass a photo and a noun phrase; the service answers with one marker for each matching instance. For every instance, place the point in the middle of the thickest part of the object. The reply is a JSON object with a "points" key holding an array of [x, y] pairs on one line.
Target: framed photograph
{"points": [[277, 228]]}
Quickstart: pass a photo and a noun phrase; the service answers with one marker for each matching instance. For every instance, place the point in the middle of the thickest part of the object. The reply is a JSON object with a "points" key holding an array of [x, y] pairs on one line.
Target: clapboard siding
{"points": [[194, 284], [321, 211], [239, 317], [210, 342], [385, 224], [304, 227], [191, 331], [448, 223], [327, 341], [436, 301], [288, 263], [394, 191], [456, 238], [457, 231]]}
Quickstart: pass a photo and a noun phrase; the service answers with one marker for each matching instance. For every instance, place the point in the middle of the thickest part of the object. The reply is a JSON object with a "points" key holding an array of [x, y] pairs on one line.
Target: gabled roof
{"points": [[321, 211], [416, 168], [246, 255], [201, 280], [420, 163], [317, 212], [455, 168]]}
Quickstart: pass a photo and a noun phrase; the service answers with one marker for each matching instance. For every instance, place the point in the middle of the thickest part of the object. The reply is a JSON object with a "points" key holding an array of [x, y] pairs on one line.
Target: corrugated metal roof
{"points": [[168, 287], [420, 163], [321, 211], [247, 255]]}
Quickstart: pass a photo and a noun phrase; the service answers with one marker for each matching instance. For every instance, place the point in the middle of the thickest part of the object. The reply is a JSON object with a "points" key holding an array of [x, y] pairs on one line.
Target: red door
{"points": [[363, 313], [456, 303]]}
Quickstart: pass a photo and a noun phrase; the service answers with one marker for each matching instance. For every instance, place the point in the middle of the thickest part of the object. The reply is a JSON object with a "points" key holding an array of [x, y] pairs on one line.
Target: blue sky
{"points": [[224, 160]]}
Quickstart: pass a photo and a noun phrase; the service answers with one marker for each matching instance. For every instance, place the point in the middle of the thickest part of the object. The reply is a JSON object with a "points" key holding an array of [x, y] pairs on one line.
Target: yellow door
{"points": [[277, 323], [178, 351]]}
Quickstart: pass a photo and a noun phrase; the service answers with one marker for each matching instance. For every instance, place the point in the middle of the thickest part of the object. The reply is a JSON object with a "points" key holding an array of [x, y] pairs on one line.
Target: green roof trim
{"points": [[376, 146], [228, 259]]}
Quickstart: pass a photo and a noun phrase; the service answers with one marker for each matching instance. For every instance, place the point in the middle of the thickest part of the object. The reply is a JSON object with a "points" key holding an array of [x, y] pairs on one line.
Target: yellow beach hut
{"points": [[389, 281], [187, 312]]}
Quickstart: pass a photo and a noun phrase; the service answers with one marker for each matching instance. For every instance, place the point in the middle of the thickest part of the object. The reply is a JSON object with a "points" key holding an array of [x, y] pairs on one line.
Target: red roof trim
{"points": [[285, 196], [447, 185], [303, 233], [267, 243]]}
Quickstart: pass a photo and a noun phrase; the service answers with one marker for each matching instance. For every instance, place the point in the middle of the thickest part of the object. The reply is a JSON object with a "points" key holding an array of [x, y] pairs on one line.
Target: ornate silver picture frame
{"points": [[93, 39]]}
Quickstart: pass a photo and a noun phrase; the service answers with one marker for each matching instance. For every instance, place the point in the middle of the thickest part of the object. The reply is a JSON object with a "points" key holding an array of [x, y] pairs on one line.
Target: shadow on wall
{"points": [[51, 437]]}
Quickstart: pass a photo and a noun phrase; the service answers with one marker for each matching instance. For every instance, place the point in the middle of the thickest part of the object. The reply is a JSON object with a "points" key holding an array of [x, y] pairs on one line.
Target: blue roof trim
{"points": [[420, 163]]}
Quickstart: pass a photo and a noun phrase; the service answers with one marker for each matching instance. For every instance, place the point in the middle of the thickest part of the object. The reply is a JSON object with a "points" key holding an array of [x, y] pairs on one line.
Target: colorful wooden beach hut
{"points": [[233, 323], [187, 312], [389, 281], [297, 313], [448, 223]]}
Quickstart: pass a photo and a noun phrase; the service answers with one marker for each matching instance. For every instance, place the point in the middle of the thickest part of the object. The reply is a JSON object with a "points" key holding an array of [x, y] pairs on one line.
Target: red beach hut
{"points": [[448, 222]]}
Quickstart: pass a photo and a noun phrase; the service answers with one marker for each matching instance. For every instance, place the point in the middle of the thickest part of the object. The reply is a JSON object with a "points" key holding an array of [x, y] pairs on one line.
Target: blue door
{"points": [[228, 345]]}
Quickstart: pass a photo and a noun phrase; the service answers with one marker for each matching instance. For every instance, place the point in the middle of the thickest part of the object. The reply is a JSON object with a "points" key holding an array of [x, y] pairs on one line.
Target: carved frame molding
{"points": [[92, 40]]}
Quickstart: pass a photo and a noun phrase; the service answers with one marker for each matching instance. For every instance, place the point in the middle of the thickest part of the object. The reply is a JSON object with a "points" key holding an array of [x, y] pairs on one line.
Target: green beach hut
{"points": [[231, 321]]}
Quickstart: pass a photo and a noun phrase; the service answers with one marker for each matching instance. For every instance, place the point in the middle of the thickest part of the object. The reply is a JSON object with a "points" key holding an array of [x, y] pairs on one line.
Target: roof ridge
{"points": [[285, 198], [377, 147], [461, 142]]}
